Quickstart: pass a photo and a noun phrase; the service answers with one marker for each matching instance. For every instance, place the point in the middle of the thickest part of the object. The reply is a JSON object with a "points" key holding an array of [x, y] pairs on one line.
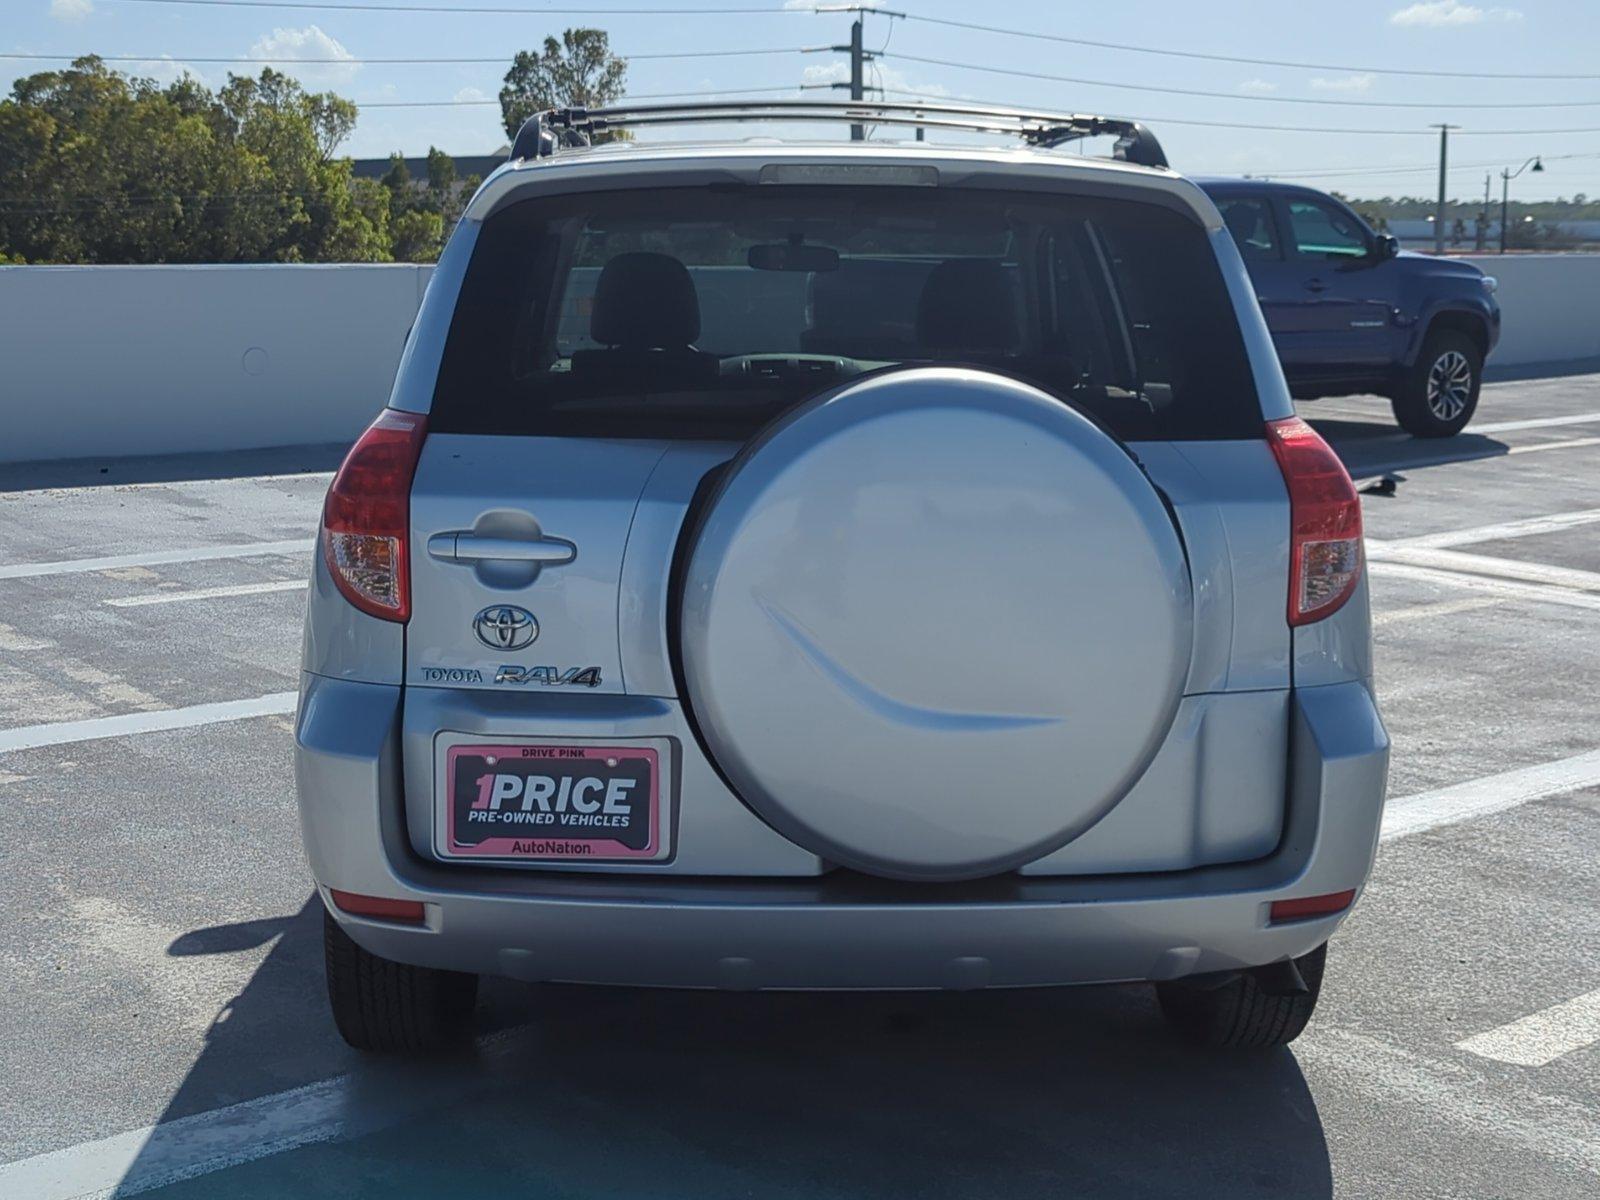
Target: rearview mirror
{"points": [[1386, 247], [789, 256]]}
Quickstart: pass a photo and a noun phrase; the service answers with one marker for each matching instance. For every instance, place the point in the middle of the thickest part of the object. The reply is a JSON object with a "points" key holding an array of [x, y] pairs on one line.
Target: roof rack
{"points": [[544, 132]]}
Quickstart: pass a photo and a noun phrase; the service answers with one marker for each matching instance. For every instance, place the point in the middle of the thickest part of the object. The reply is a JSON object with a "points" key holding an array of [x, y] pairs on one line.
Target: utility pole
{"points": [[1444, 160], [859, 55], [857, 61]]}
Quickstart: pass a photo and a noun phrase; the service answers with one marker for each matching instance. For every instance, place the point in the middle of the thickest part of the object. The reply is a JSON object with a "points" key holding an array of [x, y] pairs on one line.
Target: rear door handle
{"points": [[464, 546], [1316, 285]]}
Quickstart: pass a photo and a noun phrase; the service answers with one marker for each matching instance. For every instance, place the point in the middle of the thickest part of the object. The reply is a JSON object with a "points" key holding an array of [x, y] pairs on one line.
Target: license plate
{"points": [[553, 802]]}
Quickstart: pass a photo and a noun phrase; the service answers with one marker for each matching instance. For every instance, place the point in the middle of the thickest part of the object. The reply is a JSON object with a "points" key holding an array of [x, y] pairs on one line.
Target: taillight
{"points": [[1324, 521], [367, 515]]}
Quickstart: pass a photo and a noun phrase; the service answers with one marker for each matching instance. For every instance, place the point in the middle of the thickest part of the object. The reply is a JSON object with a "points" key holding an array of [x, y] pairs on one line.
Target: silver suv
{"points": [[838, 565]]}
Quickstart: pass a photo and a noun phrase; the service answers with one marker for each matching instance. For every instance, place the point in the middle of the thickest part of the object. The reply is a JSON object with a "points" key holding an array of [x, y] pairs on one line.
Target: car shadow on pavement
{"points": [[1373, 448], [613, 1092]]}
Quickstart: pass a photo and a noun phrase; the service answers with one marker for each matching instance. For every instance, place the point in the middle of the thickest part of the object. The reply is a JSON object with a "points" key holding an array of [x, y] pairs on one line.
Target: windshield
{"points": [[705, 312]]}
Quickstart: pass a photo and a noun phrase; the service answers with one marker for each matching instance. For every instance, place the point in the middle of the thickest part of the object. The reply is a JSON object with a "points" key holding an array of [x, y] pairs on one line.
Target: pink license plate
{"points": [[553, 802]]}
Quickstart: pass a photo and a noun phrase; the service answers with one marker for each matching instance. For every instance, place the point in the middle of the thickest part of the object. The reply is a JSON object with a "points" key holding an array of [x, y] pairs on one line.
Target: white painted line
{"points": [[158, 1155], [1527, 527], [336, 1109], [1504, 588], [241, 589], [1453, 1101], [154, 558], [1490, 794], [1532, 423], [1438, 608], [1485, 564], [1569, 444], [59, 733], [1361, 470], [1543, 1037]]}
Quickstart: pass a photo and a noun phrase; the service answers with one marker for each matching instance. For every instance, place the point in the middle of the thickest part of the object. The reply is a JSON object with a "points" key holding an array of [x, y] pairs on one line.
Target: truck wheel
{"points": [[1240, 1015], [387, 1006], [1439, 393]]}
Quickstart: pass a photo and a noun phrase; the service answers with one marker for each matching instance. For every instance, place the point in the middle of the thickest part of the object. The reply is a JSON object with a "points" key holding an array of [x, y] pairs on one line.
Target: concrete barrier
{"points": [[114, 361], [1550, 306], [167, 359]]}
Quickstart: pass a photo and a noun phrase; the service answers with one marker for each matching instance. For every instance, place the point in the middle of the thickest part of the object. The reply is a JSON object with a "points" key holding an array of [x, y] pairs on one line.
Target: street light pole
{"points": [[1506, 176], [1438, 212]]}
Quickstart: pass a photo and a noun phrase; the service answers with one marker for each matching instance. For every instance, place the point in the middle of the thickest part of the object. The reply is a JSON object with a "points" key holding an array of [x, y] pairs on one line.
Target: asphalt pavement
{"points": [[163, 1028]]}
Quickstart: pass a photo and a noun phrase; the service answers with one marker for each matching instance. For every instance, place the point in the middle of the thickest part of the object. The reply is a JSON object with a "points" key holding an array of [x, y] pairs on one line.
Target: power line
{"points": [[1150, 87], [353, 62], [698, 92], [1278, 128], [480, 9], [1037, 35], [765, 9]]}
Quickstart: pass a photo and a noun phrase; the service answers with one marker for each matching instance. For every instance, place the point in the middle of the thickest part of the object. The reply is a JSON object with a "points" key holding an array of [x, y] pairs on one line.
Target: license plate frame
{"points": [[545, 823]]}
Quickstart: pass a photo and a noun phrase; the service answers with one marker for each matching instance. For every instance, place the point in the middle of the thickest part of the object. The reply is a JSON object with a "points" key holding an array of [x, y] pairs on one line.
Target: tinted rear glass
{"points": [[704, 313]]}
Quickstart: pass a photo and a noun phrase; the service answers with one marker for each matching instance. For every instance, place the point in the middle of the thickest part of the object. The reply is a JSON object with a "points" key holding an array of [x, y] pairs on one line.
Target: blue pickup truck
{"points": [[1350, 312]]}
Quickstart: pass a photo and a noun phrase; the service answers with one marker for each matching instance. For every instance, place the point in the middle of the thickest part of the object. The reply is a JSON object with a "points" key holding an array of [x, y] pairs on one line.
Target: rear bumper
{"points": [[840, 930]]}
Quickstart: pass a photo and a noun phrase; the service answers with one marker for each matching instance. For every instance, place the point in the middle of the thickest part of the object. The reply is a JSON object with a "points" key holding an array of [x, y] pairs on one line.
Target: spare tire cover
{"points": [[935, 624]]}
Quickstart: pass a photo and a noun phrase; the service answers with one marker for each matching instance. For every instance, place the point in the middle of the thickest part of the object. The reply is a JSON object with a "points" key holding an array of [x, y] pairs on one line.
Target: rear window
{"points": [[705, 312]]}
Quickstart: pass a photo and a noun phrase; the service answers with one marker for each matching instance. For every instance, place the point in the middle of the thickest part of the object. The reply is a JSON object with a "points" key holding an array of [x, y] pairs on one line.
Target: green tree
{"points": [[577, 71], [97, 166], [418, 235]]}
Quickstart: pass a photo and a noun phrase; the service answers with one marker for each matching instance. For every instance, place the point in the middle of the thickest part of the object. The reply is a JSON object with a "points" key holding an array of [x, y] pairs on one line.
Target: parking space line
{"points": [[1504, 588], [154, 558], [336, 1109], [1569, 444], [1503, 530], [1438, 608], [1454, 1097], [58, 733], [1542, 1037], [1485, 564], [1489, 794], [1533, 423], [241, 589]]}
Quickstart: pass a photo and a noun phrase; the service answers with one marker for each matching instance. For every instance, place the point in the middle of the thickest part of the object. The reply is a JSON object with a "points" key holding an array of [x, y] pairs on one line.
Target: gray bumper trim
{"points": [[838, 931]]}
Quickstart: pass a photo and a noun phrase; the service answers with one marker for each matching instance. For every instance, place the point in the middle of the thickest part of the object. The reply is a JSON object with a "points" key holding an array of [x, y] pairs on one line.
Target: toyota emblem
{"points": [[505, 627]]}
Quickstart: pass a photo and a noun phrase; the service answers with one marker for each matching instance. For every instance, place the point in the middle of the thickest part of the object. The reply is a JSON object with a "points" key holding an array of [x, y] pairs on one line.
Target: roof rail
{"points": [[541, 134]]}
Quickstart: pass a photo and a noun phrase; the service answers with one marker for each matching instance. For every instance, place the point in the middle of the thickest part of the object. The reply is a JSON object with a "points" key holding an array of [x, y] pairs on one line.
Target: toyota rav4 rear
{"points": [[844, 565]]}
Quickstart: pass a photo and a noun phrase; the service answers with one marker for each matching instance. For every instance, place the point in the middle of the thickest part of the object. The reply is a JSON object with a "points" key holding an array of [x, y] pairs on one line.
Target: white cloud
{"points": [[307, 43], [471, 93], [1344, 83], [1257, 86], [71, 10], [164, 70], [1451, 12]]}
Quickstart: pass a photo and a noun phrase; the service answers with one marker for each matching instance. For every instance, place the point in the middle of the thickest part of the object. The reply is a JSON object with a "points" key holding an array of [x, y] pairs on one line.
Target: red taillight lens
{"points": [[1324, 521], [1304, 908], [366, 518], [380, 907]]}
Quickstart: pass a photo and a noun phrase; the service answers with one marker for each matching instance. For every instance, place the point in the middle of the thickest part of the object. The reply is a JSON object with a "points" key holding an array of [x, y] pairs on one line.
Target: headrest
{"points": [[645, 301], [967, 304], [1242, 221]]}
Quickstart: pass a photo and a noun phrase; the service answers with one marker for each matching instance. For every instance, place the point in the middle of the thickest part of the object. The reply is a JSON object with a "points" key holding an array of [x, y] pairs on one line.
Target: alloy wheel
{"points": [[1449, 385]]}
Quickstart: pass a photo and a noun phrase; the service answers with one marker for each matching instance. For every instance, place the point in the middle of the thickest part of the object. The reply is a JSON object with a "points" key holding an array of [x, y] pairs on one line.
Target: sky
{"points": [[1352, 123]]}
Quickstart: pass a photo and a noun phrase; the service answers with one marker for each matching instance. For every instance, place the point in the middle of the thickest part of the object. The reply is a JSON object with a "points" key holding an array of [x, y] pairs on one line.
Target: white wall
{"points": [[98, 361], [159, 360], [1550, 306]]}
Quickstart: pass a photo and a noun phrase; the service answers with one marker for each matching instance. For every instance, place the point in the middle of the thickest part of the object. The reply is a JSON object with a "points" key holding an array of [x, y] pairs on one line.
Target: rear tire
{"points": [[1439, 394], [389, 1007], [1239, 1015]]}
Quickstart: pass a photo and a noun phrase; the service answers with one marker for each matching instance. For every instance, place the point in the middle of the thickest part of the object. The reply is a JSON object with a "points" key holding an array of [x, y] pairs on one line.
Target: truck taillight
{"points": [[1324, 521], [366, 517]]}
